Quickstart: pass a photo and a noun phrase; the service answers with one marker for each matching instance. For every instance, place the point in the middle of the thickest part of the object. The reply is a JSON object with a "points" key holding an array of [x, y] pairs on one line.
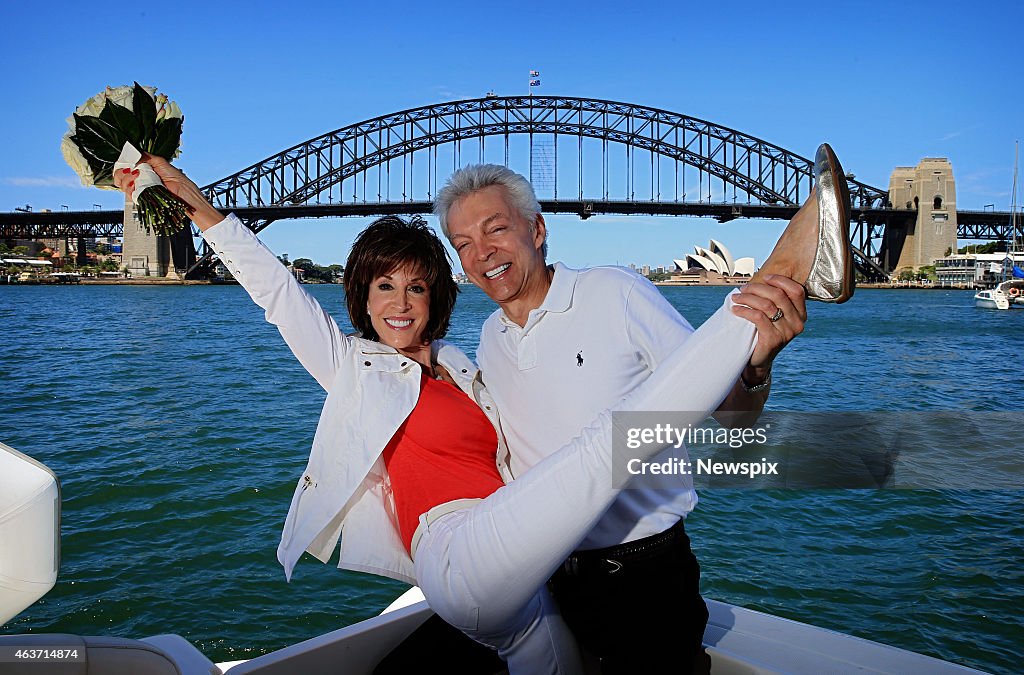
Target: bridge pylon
{"points": [[151, 255], [144, 254], [929, 189]]}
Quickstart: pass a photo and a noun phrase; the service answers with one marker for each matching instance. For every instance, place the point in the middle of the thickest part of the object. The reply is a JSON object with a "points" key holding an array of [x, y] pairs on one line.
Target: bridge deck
{"points": [[983, 225]]}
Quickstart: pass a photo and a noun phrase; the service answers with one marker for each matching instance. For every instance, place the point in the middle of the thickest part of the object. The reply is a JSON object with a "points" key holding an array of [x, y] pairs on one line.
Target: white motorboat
{"points": [[1013, 289], [737, 640], [1010, 291], [991, 299]]}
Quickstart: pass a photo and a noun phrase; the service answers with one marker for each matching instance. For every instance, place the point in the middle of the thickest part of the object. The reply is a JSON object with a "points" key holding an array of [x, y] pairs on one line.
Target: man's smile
{"points": [[497, 271]]}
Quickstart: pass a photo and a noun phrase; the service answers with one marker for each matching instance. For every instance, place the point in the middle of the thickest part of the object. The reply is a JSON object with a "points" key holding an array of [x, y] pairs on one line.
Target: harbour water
{"points": [[178, 422]]}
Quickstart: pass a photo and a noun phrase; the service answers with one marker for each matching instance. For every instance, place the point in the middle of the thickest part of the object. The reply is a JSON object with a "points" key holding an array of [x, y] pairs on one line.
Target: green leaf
{"points": [[98, 137], [104, 176], [102, 170], [144, 108], [95, 164], [123, 120], [167, 139]]}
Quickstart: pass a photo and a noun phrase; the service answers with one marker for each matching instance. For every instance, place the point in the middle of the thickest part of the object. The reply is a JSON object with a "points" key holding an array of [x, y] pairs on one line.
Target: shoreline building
{"points": [[976, 270], [712, 265], [930, 190]]}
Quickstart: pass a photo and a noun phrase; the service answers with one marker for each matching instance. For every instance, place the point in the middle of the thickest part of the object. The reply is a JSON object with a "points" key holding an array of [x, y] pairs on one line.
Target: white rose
{"points": [[75, 159], [173, 111], [161, 107], [93, 106], [121, 96]]}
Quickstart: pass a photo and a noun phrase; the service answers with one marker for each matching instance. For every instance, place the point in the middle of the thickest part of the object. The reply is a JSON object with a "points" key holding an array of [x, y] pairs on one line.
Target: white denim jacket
{"points": [[371, 389]]}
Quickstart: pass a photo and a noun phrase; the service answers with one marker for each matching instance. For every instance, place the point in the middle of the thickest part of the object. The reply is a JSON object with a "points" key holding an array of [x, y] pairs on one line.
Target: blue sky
{"points": [[885, 83]]}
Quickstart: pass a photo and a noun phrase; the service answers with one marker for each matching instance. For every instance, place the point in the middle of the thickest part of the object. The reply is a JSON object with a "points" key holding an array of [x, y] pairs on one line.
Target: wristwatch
{"points": [[757, 387]]}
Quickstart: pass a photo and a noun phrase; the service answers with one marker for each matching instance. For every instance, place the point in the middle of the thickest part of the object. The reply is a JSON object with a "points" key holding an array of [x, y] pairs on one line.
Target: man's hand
{"points": [[759, 303]]}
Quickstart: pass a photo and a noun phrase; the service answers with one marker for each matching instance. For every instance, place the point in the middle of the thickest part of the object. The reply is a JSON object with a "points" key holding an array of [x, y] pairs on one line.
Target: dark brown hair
{"points": [[388, 244]]}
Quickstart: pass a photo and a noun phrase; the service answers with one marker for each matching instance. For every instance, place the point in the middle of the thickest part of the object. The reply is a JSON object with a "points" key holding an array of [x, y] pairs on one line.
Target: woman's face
{"points": [[399, 308]]}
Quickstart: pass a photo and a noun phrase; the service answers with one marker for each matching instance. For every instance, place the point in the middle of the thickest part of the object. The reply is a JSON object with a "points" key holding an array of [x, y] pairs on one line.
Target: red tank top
{"points": [[444, 450]]}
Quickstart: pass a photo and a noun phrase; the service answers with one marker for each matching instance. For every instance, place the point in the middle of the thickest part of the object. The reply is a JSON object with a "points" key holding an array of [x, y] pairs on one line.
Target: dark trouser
{"points": [[637, 606]]}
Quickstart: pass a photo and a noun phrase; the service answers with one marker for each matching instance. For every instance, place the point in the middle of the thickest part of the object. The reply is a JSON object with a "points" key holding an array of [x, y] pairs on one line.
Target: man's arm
{"points": [[743, 405]]}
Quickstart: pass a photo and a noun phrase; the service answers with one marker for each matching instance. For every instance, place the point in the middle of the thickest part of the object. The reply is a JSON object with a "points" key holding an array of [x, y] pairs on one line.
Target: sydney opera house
{"points": [[710, 265]]}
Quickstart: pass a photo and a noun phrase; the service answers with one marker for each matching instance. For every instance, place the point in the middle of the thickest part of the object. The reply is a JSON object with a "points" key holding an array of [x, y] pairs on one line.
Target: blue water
{"points": [[178, 422]]}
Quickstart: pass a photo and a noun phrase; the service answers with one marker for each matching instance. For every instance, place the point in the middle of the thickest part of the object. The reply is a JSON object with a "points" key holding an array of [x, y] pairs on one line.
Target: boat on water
{"points": [[991, 299], [1010, 291], [1006, 294], [737, 640], [1013, 289]]}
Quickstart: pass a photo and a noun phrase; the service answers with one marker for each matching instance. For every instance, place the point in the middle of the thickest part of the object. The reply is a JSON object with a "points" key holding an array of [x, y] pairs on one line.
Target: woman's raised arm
{"points": [[310, 332]]}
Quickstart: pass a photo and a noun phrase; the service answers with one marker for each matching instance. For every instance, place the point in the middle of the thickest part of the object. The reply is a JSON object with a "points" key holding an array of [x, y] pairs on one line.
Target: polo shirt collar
{"points": [[558, 298]]}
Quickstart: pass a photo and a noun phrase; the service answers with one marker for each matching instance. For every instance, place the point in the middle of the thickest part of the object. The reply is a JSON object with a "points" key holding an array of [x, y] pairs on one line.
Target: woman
{"points": [[408, 460]]}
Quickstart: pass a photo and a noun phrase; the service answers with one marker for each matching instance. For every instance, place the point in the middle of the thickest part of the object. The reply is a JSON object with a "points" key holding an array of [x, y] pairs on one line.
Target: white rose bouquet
{"points": [[108, 132]]}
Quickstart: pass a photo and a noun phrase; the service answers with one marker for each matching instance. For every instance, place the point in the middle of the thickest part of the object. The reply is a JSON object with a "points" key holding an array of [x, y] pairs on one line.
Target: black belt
{"points": [[612, 559]]}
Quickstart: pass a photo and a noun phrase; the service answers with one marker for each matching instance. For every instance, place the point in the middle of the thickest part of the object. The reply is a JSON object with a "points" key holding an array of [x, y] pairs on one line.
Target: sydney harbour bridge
{"points": [[583, 156]]}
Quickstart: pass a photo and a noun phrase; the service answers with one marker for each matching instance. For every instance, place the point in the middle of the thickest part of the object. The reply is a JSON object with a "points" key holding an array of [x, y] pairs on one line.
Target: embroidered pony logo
{"points": [[579, 359]]}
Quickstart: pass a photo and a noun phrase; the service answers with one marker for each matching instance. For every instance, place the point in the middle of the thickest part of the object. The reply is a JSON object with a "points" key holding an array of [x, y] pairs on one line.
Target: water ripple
{"points": [[179, 423]]}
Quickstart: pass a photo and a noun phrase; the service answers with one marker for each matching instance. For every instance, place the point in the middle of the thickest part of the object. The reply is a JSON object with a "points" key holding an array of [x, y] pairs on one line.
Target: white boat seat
{"points": [[101, 655], [353, 650]]}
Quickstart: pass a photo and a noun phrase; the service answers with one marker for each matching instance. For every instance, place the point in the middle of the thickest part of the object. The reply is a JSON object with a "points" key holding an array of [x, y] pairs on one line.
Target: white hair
{"points": [[475, 177]]}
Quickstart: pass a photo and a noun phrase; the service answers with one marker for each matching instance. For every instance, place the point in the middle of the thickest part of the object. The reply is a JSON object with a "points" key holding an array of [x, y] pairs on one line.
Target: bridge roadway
{"points": [[980, 225]]}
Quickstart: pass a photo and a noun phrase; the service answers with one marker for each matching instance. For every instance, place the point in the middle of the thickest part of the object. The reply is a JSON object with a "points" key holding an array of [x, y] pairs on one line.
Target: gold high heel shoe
{"points": [[831, 278]]}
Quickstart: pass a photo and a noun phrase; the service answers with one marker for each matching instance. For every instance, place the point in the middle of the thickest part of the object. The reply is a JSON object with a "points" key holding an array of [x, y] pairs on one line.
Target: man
{"points": [[566, 343]]}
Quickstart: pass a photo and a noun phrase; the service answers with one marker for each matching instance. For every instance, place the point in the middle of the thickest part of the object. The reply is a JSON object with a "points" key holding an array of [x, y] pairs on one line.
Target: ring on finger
{"points": [[776, 316]]}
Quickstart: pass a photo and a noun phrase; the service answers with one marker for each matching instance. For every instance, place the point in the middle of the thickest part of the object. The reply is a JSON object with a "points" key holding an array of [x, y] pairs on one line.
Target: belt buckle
{"points": [[613, 565]]}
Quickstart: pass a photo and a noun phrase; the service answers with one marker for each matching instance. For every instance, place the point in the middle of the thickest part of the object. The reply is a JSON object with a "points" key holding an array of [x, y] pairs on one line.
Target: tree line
{"points": [[313, 272]]}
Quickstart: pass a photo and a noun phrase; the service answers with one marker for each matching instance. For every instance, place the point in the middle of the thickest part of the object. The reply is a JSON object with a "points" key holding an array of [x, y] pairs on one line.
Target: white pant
{"points": [[480, 568]]}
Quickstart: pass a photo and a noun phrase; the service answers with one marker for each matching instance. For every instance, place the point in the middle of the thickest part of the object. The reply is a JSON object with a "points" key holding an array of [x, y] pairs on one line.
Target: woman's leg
{"points": [[532, 638], [479, 567]]}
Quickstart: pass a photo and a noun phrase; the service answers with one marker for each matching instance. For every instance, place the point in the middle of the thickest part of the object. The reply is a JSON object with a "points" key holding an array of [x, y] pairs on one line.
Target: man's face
{"points": [[499, 250]]}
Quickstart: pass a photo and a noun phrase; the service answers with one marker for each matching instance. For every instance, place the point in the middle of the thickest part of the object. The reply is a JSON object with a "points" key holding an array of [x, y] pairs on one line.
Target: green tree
{"points": [[313, 272], [990, 247]]}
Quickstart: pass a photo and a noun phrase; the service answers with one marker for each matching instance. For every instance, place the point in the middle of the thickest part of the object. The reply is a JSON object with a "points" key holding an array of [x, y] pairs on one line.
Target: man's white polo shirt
{"points": [[598, 334]]}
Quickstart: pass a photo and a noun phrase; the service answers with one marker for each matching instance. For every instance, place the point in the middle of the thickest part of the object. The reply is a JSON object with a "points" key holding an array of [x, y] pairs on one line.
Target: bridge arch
{"points": [[764, 172]]}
